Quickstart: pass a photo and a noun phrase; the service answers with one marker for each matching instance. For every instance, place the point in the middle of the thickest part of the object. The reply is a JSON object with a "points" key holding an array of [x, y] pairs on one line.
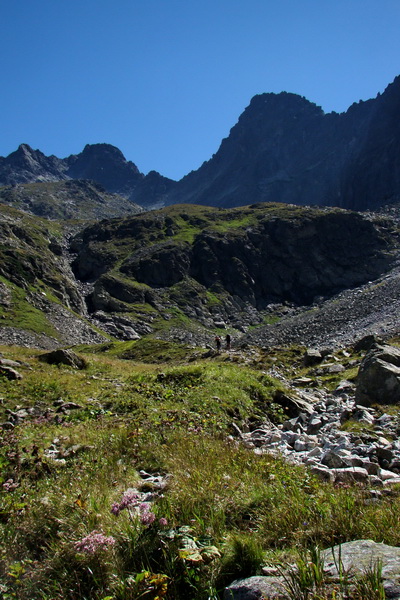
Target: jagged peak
{"points": [[24, 148]]}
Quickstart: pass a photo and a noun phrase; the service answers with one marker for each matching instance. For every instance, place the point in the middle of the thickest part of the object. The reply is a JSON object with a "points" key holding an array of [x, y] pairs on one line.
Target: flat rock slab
{"points": [[256, 588], [353, 558], [360, 555]]}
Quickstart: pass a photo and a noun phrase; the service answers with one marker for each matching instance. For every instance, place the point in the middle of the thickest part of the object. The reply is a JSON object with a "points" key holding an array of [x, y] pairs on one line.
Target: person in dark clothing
{"points": [[228, 341], [218, 342]]}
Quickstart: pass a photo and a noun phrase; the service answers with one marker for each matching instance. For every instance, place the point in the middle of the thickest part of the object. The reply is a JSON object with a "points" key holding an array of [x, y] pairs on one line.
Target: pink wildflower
{"points": [[129, 498], [163, 522], [116, 508], [148, 518], [10, 485], [94, 542]]}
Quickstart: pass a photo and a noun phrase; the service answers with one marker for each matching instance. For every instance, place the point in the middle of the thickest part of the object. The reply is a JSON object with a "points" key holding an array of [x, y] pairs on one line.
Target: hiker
{"points": [[228, 341], [218, 342]]}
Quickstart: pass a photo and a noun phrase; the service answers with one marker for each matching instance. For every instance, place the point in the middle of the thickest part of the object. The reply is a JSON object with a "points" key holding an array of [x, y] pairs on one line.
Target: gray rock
{"points": [[255, 588], [64, 357], [379, 377], [323, 473], [385, 475], [350, 475], [9, 373], [312, 357], [294, 405], [358, 556], [332, 460], [354, 558]]}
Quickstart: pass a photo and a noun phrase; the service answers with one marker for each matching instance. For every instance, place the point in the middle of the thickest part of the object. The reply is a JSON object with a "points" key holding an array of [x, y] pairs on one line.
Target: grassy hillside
{"points": [[122, 480]]}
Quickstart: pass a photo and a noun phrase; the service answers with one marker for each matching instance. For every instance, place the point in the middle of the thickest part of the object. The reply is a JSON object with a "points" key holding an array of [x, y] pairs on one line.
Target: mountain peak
{"points": [[103, 149]]}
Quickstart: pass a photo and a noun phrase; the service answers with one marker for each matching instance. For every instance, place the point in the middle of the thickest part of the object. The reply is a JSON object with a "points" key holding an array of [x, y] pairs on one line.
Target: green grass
{"points": [[22, 314], [227, 508]]}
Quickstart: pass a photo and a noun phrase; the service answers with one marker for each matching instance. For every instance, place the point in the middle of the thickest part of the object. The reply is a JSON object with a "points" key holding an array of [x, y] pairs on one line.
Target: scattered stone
{"points": [[65, 406], [350, 475], [10, 373], [312, 357]]}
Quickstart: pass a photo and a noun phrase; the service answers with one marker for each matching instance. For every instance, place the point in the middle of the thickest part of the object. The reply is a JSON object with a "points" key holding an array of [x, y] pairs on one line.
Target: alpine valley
{"points": [[142, 456]]}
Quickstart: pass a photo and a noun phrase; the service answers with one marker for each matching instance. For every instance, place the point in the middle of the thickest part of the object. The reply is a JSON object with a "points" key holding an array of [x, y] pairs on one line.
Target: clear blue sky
{"points": [[165, 80]]}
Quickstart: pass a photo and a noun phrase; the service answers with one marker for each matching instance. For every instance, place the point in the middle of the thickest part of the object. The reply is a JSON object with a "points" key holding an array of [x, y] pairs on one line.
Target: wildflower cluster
{"points": [[10, 485], [131, 499], [94, 542]]}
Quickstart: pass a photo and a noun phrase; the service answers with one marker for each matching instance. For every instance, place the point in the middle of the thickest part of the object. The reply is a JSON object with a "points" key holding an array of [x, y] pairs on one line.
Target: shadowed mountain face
{"points": [[283, 149]]}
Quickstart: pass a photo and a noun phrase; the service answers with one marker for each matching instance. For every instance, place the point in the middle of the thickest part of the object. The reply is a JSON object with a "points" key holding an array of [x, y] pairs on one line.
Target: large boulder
{"points": [[63, 357], [293, 405], [378, 379], [359, 556], [355, 559], [9, 373]]}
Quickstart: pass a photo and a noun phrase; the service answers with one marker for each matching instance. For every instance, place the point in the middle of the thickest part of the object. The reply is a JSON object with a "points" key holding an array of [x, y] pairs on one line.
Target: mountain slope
{"points": [[101, 163], [182, 271], [228, 265], [284, 148], [70, 199]]}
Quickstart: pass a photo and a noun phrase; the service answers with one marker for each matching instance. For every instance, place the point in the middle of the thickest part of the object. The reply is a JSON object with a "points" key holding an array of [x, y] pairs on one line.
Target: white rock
{"points": [[349, 475], [384, 475]]}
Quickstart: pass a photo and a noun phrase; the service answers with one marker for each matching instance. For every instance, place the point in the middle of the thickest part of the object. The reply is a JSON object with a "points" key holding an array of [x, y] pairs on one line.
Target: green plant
{"points": [[369, 586]]}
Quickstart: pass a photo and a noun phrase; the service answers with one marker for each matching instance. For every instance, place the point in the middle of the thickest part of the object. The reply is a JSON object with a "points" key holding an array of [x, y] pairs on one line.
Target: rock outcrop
{"points": [[217, 265], [378, 379]]}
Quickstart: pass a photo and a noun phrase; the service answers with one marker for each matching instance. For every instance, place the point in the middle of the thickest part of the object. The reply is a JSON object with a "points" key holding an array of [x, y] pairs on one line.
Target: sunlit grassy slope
{"points": [[217, 511]]}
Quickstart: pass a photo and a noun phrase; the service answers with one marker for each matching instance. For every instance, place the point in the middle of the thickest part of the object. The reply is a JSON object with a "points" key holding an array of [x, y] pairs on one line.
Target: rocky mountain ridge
{"points": [[283, 148], [184, 272], [77, 200], [103, 164]]}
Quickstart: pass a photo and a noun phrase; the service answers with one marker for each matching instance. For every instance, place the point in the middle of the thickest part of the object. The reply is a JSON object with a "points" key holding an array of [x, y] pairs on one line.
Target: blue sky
{"points": [[165, 80]]}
